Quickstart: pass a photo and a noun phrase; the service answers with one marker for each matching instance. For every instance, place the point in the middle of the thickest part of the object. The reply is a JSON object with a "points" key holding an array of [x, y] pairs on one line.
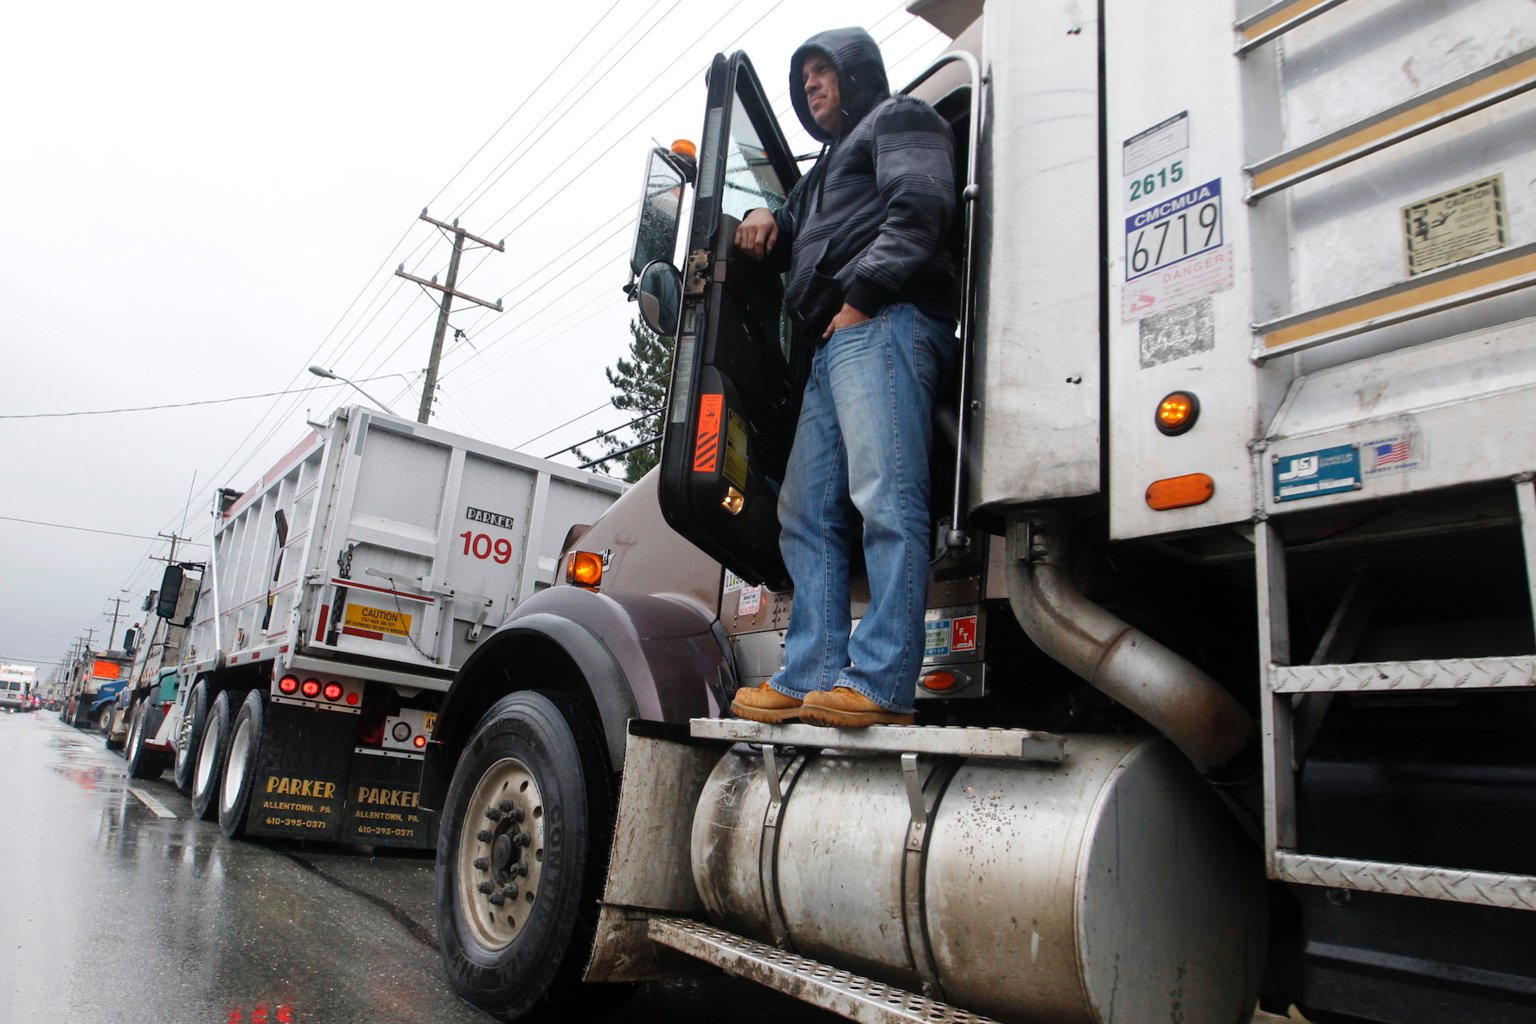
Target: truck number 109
{"points": [[481, 545]]}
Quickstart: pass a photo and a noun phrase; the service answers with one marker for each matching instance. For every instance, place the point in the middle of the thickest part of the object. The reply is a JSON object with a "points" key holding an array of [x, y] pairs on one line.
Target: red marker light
{"points": [[420, 742], [311, 688], [352, 699], [333, 690], [288, 685]]}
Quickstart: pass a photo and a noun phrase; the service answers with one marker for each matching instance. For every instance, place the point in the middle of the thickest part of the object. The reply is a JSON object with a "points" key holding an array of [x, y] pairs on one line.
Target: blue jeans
{"points": [[862, 445]]}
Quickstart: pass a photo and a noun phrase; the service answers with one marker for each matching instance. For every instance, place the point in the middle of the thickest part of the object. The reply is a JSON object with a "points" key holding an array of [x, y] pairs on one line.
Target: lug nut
{"points": [[481, 864], [521, 839], [520, 869], [516, 814], [493, 814], [484, 887], [506, 807], [498, 899], [484, 835]]}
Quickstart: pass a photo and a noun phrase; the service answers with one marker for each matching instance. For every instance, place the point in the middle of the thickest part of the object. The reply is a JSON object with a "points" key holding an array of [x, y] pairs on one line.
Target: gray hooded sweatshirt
{"points": [[867, 226]]}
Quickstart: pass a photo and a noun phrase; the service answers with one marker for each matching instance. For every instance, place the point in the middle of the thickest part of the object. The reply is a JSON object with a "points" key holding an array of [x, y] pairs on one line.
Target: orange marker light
{"points": [[1180, 491], [683, 147], [1177, 412], [584, 569]]}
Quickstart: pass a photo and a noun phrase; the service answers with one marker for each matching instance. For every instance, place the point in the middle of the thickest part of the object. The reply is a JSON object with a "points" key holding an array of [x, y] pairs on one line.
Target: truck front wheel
{"points": [[240, 764], [210, 759], [521, 853]]}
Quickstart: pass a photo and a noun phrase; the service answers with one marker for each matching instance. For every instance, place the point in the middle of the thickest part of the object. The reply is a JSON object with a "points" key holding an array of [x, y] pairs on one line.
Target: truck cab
{"points": [[1240, 494]]}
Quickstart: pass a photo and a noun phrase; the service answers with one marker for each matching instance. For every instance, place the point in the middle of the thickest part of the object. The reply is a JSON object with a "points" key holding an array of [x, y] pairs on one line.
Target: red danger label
{"points": [[706, 447], [962, 634]]}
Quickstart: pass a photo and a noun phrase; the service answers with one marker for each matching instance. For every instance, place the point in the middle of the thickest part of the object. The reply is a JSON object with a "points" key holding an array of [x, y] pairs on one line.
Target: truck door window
{"points": [[750, 178]]}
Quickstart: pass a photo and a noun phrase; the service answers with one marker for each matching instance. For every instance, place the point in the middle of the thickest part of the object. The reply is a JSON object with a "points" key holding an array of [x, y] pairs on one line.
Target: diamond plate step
{"points": [[845, 994], [957, 741], [1406, 676], [1483, 888]]}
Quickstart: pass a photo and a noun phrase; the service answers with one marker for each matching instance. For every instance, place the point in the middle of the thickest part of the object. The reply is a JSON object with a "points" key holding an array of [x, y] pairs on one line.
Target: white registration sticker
{"points": [[1174, 230]]}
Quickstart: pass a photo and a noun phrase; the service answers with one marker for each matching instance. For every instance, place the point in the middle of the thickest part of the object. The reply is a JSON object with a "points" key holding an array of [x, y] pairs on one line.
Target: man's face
{"points": [[821, 92]]}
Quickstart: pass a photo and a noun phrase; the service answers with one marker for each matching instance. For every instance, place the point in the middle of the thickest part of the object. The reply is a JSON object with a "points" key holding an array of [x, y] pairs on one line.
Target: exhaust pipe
{"points": [[1174, 696]]}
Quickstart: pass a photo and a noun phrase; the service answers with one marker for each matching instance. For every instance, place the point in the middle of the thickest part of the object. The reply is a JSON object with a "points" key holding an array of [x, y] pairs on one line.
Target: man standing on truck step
{"points": [[862, 236]]}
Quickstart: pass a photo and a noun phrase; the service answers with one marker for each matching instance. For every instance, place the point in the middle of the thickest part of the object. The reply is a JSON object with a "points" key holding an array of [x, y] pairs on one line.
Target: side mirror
{"points": [[170, 592], [660, 292], [661, 205]]}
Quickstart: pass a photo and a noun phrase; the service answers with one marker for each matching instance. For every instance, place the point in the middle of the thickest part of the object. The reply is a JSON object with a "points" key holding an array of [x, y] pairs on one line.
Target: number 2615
{"points": [[1160, 178]]}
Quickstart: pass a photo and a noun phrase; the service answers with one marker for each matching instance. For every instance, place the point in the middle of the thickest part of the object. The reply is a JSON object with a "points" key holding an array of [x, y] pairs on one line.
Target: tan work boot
{"points": [[763, 703], [848, 709]]}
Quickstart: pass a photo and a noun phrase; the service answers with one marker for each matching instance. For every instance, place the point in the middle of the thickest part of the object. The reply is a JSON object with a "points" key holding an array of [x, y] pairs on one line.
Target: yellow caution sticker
{"points": [[428, 722], [736, 450], [363, 620], [1455, 225]]}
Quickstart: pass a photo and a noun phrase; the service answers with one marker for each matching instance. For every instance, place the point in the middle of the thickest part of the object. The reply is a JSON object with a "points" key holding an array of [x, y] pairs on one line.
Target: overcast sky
{"points": [[201, 200]]}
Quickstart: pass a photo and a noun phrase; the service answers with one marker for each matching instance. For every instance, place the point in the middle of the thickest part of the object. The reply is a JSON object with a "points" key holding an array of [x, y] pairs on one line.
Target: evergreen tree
{"points": [[640, 386]]}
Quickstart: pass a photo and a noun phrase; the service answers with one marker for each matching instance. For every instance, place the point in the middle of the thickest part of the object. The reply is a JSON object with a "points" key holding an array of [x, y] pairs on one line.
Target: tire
{"points": [[143, 763], [240, 764], [537, 751], [210, 759], [189, 735], [107, 714]]}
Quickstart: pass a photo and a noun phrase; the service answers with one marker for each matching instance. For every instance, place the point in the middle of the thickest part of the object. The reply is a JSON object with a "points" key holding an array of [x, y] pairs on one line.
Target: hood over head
{"points": [[860, 77]]}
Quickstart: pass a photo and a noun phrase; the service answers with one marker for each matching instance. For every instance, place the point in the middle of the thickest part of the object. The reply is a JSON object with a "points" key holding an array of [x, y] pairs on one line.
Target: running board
{"points": [[952, 741], [841, 992]]}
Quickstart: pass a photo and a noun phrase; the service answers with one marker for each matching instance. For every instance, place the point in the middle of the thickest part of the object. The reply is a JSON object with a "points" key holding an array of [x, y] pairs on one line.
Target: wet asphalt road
{"points": [[117, 905]]}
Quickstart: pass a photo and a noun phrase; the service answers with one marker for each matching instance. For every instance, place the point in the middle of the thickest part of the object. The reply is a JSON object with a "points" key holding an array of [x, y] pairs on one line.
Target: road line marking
{"points": [[154, 805]]}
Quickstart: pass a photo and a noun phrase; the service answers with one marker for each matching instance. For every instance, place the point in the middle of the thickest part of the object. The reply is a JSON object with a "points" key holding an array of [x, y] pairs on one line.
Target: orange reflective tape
{"points": [[706, 445]]}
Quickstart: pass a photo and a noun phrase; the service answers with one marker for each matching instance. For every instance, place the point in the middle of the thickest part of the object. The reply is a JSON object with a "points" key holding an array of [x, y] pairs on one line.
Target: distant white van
{"points": [[16, 683]]}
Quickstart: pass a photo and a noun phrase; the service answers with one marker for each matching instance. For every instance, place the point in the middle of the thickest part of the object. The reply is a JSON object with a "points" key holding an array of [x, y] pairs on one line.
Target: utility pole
{"points": [[449, 293], [117, 608]]}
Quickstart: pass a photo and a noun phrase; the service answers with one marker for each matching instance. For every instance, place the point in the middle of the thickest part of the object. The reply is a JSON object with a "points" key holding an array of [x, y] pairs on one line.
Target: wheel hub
{"points": [[501, 852]]}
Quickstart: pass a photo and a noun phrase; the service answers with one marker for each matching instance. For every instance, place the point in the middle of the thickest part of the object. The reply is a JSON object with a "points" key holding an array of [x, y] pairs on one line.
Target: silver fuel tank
{"points": [[1110, 888]]}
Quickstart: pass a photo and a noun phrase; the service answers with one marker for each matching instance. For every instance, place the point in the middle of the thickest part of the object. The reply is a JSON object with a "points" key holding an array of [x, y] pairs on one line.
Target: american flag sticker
{"points": [[1388, 454]]}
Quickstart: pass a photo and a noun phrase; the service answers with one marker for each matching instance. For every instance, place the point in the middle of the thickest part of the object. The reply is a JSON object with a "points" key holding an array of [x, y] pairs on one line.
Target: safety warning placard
{"points": [[365, 619], [706, 447], [1455, 225]]}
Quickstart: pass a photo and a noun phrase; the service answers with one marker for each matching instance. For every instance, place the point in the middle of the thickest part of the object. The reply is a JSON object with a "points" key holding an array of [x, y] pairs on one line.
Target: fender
{"points": [[636, 656]]}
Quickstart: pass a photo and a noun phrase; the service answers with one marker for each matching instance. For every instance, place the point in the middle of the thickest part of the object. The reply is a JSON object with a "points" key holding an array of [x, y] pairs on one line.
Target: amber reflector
{"points": [[1180, 491], [939, 681], [584, 568]]}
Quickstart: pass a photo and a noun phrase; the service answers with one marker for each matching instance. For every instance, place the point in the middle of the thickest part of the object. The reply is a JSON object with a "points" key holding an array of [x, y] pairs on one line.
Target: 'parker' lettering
{"points": [[289, 786], [388, 797]]}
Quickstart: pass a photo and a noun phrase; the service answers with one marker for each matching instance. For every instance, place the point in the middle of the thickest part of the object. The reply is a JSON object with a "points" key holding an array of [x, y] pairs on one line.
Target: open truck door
{"points": [[740, 363]]}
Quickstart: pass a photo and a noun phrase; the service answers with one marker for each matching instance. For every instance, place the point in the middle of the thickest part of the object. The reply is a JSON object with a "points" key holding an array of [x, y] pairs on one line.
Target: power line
{"points": [[167, 405], [79, 529]]}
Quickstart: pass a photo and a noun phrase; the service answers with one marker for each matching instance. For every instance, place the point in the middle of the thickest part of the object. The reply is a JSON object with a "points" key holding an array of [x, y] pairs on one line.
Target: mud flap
{"points": [[301, 774], [384, 802]]}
